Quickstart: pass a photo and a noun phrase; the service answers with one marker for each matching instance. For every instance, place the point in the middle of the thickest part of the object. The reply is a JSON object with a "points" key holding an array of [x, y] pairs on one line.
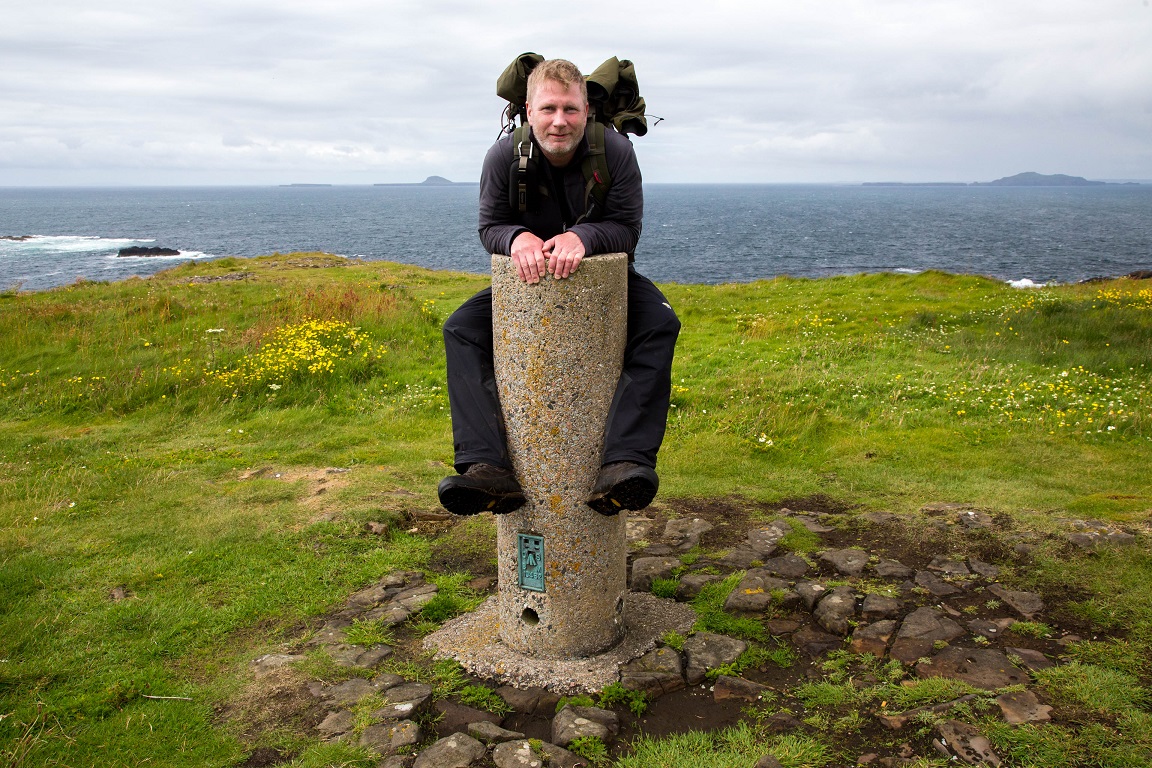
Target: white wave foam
{"points": [[182, 256], [1025, 283], [67, 244], [907, 271]]}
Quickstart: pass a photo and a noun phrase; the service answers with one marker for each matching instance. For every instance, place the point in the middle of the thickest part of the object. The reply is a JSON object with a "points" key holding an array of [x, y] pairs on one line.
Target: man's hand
{"points": [[564, 253], [528, 256]]}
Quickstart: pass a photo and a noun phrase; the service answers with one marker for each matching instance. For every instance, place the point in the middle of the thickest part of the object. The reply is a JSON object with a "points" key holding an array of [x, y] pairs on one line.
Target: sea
{"points": [[693, 233]]}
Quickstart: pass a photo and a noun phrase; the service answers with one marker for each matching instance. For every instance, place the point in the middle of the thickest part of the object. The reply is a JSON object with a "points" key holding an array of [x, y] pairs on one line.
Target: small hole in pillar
{"points": [[530, 617], [620, 604]]}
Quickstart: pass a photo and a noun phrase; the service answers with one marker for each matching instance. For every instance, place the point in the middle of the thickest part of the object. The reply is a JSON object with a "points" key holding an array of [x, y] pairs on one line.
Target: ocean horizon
{"points": [[693, 233]]}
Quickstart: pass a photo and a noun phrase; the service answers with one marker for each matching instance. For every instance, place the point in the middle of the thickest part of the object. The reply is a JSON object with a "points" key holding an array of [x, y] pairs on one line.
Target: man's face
{"points": [[557, 116]]}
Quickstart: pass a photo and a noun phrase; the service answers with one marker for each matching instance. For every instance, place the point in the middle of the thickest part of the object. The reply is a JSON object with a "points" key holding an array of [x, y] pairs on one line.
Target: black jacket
{"points": [[617, 230]]}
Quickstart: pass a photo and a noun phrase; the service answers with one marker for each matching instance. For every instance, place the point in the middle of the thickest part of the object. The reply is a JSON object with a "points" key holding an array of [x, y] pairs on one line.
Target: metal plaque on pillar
{"points": [[530, 562]]}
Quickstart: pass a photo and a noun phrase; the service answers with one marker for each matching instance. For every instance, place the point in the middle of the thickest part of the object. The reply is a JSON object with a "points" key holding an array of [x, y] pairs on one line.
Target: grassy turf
{"points": [[163, 442]]}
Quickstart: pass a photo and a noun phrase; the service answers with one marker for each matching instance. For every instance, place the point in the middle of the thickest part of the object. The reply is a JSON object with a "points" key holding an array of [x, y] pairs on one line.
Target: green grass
{"points": [[483, 698], [736, 747], [143, 425], [615, 694], [711, 616], [591, 748], [1099, 690]]}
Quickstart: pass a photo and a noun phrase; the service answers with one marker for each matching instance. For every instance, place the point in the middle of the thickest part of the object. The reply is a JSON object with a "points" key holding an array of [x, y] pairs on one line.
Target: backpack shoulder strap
{"points": [[522, 178], [594, 166]]}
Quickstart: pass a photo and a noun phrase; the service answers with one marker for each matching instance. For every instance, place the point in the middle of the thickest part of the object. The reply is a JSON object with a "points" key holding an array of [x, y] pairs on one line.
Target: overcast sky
{"points": [[122, 92]]}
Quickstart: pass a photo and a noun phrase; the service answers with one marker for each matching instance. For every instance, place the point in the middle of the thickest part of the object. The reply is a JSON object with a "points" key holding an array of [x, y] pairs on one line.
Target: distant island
{"points": [[433, 181], [1026, 179], [1031, 179]]}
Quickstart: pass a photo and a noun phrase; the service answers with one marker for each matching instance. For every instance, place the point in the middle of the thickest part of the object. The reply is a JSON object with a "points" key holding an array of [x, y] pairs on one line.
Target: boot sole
{"points": [[462, 500], [630, 493]]}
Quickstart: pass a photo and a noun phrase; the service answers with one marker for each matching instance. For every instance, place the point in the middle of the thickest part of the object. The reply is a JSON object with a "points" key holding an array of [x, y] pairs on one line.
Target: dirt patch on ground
{"points": [[276, 700], [319, 483]]}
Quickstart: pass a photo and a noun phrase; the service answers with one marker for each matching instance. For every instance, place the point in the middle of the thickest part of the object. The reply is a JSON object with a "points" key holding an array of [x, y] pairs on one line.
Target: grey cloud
{"points": [[360, 91]]}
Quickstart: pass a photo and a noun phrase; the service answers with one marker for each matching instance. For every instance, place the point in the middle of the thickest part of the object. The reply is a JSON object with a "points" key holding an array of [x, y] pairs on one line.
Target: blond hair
{"points": [[559, 71]]}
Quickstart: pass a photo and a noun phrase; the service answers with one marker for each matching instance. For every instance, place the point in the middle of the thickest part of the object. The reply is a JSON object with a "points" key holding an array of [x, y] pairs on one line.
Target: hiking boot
{"points": [[482, 488], [623, 485]]}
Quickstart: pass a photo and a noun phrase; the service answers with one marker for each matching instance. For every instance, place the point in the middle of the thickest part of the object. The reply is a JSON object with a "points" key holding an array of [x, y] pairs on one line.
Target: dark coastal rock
{"points": [[526, 700], [991, 629], [404, 701], [143, 250], [348, 692], [813, 525]]}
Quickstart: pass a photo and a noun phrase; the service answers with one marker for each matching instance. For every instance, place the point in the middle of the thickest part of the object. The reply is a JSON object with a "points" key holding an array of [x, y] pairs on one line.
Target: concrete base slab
{"points": [[474, 641]]}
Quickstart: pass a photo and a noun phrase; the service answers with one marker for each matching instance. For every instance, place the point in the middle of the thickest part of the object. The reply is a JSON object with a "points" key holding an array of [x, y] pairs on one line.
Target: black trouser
{"points": [[639, 410]]}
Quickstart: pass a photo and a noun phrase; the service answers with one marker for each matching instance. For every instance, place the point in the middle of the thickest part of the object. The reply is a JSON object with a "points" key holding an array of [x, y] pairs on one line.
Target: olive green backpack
{"points": [[614, 103]]}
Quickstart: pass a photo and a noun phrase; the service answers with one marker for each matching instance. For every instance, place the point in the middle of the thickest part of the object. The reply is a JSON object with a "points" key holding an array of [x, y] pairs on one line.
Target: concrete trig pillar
{"points": [[558, 349]]}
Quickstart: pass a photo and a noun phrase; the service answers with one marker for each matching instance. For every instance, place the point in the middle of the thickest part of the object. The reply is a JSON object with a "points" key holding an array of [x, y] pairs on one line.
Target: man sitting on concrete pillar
{"points": [[551, 239]]}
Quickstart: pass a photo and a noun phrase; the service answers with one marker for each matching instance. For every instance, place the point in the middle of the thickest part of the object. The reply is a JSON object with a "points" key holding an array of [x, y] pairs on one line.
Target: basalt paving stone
{"points": [[1032, 660], [921, 638], [1027, 604], [848, 562], [892, 569], [877, 607], [836, 610], [757, 591], [873, 638], [935, 585], [1023, 707], [788, 566], [943, 564], [982, 667]]}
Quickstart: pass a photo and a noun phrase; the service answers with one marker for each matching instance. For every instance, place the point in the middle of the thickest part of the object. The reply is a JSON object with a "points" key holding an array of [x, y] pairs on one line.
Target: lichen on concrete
{"points": [[559, 345]]}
